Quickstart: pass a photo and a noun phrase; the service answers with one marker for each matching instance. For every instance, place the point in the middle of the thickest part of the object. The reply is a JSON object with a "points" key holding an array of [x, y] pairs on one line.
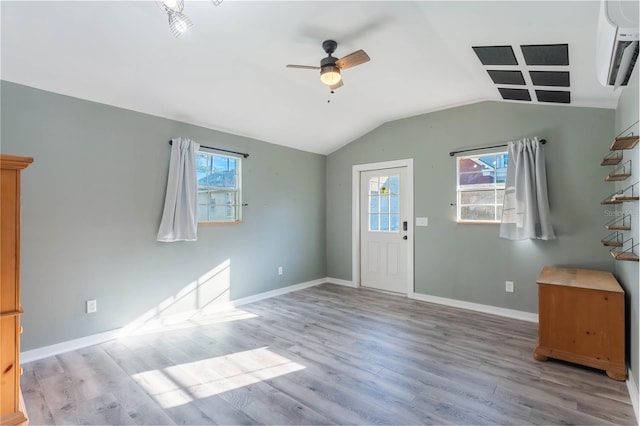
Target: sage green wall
{"points": [[92, 202], [627, 272], [470, 262], [93, 198]]}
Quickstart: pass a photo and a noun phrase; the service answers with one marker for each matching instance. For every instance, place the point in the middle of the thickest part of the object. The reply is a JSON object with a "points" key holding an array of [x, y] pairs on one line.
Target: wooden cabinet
{"points": [[581, 319], [11, 408]]}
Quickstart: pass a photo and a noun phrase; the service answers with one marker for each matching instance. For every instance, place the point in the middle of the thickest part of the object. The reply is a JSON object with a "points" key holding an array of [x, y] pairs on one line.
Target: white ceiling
{"points": [[228, 71]]}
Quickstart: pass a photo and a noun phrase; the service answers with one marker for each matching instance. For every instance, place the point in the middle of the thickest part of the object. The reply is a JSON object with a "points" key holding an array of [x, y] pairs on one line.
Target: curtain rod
{"points": [[243, 154], [452, 153]]}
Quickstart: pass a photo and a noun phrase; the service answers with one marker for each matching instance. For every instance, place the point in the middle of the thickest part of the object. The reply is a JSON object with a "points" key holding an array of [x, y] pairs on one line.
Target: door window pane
{"points": [[374, 203], [374, 188], [384, 222], [373, 222], [384, 203], [384, 185], [394, 184], [394, 204], [394, 222]]}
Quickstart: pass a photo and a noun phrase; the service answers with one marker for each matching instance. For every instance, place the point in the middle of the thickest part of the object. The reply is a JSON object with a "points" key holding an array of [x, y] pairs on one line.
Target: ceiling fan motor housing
{"points": [[329, 71], [331, 67], [329, 46], [329, 60]]}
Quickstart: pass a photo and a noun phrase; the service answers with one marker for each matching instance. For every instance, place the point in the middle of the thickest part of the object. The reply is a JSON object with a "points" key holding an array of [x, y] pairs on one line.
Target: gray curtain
{"points": [[179, 218], [525, 212]]}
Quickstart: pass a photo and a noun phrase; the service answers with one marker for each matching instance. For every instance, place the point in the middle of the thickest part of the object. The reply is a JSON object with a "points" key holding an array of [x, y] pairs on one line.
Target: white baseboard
{"points": [[69, 345], [95, 339], [487, 309], [632, 386], [338, 281], [265, 295]]}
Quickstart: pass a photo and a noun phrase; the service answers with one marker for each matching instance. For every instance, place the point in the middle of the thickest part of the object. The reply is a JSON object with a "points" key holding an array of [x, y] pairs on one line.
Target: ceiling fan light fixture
{"points": [[178, 23], [172, 5], [330, 74]]}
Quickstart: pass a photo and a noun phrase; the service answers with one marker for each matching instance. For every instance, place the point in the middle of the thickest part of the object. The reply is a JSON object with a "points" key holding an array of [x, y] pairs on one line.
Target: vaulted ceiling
{"points": [[228, 71]]}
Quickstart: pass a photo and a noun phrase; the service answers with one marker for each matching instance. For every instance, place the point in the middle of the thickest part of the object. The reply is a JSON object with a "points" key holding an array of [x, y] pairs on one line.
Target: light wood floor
{"points": [[324, 355]]}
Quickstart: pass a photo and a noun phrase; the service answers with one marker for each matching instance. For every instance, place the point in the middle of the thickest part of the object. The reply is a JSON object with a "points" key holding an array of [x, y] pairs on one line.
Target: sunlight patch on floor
{"points": [[184, 383]]}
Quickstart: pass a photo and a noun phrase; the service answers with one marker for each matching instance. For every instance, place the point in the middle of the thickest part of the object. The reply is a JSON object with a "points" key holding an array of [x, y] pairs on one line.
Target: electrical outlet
{"points": [[92, 306], [280, 270], [508, 286]]}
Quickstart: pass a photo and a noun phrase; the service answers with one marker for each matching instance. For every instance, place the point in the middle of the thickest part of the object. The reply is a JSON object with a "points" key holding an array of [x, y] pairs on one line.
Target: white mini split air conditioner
{"points": [[617, 43]]}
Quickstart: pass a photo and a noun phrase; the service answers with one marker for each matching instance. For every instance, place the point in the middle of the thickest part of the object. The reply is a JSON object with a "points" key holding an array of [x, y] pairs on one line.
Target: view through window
{"points": [[219, 197], [480, 187], [384, 203]]}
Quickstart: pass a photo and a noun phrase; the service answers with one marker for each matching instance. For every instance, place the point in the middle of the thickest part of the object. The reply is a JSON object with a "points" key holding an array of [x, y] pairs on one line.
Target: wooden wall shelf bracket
{"points": [[612, 159], [630, 193], [622, 172], [628, 254], [624, 142], [619, 223], [614, 239]]}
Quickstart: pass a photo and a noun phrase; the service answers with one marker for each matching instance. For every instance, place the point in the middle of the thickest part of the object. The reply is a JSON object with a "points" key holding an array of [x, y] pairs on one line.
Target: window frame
{"points": [[495, 187], [238, 190], [389, 203]]}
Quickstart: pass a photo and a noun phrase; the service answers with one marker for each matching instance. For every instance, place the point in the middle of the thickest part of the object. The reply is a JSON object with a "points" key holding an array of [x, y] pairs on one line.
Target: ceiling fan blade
{"points": [[351, 60], [337, 85], [303, 67]]}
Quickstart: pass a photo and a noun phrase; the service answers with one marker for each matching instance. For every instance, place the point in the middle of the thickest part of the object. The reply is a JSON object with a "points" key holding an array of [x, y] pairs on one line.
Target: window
{"points": [[384, 203], [219, 184], [481, 180]]}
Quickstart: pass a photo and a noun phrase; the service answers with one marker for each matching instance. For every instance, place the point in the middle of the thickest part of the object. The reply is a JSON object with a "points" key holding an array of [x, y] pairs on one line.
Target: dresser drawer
{"points": [[9, 368]]}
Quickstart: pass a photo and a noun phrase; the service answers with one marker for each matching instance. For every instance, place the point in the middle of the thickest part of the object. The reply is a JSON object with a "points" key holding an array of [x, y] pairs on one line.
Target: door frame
{"points": [[355, 216]]}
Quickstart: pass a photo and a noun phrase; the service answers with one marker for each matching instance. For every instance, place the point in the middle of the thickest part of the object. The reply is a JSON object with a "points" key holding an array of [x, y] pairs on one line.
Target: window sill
{"points": [[476, 222], [237, 222]]}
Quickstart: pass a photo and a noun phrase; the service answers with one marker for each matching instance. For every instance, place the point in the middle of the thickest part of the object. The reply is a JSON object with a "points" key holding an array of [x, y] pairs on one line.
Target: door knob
{"points": [[405, 238]]}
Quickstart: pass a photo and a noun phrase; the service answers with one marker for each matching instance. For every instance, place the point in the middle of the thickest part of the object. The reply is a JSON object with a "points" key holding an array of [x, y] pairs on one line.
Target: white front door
{"points": [[383, 229]]}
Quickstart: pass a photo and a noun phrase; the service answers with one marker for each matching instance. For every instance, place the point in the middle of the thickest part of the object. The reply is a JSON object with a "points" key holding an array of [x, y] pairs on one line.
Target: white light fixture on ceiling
{"points": [[178, 21], [330, 74], [172, 5]]}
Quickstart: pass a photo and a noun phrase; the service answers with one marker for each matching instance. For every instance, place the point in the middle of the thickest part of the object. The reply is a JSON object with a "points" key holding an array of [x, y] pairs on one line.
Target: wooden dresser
{"points": [[581, 319], [12, 410]]}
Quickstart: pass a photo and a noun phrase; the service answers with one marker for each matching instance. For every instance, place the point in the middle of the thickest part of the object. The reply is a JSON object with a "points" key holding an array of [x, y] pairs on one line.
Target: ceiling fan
{"points": [[330, 67]]}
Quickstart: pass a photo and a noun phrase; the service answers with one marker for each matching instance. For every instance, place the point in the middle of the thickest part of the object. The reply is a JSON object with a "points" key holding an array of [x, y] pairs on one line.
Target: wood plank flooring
{"points": [[324, 355]]}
